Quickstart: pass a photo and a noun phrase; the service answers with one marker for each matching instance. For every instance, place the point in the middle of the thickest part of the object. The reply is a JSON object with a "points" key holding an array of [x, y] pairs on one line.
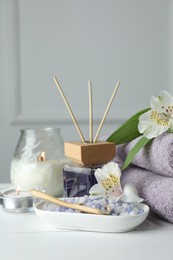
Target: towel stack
{"points": [[152, 173]]}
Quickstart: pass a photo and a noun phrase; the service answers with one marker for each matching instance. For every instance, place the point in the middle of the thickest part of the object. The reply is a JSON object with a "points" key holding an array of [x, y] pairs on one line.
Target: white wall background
{"points": [[79, 40]]}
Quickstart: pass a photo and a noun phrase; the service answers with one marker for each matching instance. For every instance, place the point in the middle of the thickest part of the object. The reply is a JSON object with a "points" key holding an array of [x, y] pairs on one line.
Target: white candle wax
{"points": [[45, 174], [16, 194]]}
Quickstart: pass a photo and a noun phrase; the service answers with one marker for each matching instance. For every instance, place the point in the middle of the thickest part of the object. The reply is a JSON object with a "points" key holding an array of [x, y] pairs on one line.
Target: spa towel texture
{"points": [[152, 173], [155, 189], [156, 156]]}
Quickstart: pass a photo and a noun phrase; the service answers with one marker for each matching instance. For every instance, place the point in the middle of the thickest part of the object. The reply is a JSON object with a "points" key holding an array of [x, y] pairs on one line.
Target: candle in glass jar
{"points": [[46, 174], [38, 160]]}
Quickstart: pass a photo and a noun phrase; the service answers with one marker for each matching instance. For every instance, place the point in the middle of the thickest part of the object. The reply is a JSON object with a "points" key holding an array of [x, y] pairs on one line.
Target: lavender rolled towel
{"points": [[156, 156], [156, 190]]}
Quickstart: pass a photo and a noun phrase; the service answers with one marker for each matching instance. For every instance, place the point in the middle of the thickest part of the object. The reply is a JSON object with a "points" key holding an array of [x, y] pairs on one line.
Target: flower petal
{"points": [[99, 174], [112, 168], [165, 98], [161, 102], [96, 189]]}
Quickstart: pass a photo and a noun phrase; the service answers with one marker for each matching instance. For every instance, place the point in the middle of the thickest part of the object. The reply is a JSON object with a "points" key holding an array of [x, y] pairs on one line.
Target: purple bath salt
{"points": [[116, 208]]}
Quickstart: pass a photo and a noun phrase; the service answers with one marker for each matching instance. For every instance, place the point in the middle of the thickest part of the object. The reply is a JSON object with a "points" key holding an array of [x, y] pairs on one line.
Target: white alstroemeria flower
{"points": [[152, 124], [108, 178], [160, 118]]}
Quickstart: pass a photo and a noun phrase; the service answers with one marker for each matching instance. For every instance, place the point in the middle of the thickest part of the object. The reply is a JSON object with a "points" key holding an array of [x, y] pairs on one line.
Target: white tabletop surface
{"points": [[24, 236]]}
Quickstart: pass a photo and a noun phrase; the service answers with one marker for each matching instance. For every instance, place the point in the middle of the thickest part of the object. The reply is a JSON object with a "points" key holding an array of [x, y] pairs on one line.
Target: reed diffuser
{"points": [[92, 152]]}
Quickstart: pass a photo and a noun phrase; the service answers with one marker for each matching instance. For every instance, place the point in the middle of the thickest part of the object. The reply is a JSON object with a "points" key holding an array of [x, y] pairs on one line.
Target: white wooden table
{"points": [[24, 236]]}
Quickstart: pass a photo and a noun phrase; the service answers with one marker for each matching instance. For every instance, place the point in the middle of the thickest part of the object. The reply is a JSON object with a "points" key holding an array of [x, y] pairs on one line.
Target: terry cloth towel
{"points": [[156, 156], [156, 190]]}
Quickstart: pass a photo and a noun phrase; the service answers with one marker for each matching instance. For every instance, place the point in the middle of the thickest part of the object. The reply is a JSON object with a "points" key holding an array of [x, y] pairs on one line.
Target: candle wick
{"points": [[42, 157]]}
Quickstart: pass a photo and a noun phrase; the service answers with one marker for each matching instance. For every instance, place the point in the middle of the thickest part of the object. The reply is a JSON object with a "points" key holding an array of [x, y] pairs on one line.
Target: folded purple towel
{"points": [[156, 190], [156, 156]]}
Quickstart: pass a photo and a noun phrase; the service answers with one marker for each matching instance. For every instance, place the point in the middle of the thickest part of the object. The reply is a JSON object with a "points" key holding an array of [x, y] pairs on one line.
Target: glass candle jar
{"points": [[38, 160]]}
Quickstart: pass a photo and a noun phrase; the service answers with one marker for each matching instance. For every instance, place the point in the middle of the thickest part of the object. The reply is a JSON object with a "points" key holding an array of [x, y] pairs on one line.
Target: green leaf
{"points": [[127, 131], [137, 147]]}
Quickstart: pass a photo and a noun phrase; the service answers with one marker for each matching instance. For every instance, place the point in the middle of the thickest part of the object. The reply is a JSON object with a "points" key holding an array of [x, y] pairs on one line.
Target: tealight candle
{"points": [[16, 194], [17, 201]]}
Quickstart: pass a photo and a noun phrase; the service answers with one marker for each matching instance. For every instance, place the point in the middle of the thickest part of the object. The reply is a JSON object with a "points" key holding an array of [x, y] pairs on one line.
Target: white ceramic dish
{"points": [[90, 222]]}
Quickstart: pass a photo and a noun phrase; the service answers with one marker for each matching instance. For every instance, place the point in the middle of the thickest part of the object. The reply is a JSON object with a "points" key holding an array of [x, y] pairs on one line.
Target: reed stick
{"points": [[69, 109], [82, 208], [106, 111], [90, 112]]}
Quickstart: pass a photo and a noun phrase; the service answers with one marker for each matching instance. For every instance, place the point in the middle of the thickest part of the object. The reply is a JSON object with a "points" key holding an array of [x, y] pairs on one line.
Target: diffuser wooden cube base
{"points": [[88, 154]]}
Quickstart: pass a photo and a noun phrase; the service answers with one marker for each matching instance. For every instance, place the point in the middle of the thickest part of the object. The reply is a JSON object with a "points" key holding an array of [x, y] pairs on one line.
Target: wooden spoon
{"points": [[86, 209]]}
